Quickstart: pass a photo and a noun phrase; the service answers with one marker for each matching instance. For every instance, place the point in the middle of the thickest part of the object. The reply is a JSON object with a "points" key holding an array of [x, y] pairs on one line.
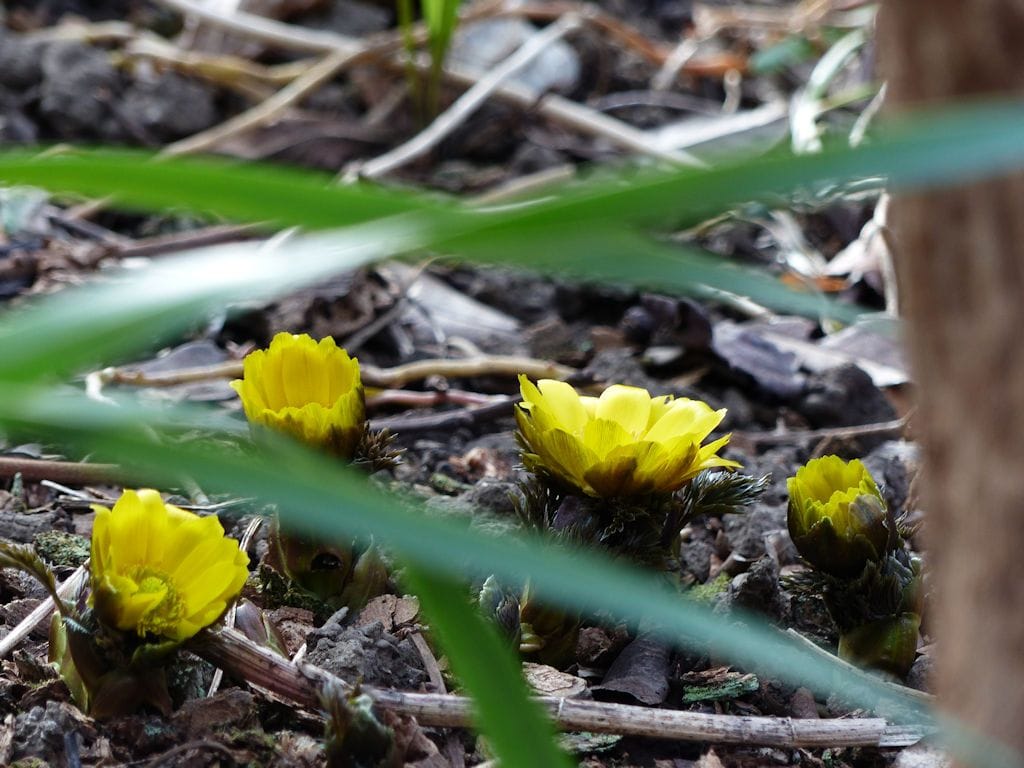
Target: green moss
{"points": [[60, 548], [277, 590], [706, 593]]}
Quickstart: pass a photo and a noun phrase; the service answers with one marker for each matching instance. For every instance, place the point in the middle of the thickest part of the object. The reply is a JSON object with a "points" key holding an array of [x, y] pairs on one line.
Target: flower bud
{"points": [[837, 517]]}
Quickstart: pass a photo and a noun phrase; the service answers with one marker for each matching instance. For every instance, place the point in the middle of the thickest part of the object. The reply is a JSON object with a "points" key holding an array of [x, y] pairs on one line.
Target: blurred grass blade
{"points": [[137, 309], [100, 323], [279, 196], [952, 145], [517, 729]]}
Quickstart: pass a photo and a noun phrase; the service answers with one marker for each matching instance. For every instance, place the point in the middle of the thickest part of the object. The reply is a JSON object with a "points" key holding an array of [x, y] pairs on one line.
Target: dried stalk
{"points": [[72, 472], [303, 683], [487, 365], [41, 612]]}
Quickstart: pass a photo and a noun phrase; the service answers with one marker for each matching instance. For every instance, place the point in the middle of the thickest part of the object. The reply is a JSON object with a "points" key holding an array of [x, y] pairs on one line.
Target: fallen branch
{"points": [[800, 435], [41, 612], [266, 111], [303, 684], [487, 365], [73, 472]]}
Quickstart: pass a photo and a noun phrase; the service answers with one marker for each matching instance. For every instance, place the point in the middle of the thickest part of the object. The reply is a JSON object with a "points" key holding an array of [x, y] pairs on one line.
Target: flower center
{"points": [[166, 613]]}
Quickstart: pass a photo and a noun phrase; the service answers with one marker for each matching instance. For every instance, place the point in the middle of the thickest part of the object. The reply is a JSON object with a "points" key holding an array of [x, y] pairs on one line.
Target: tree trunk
{"points": [[960, 259]]}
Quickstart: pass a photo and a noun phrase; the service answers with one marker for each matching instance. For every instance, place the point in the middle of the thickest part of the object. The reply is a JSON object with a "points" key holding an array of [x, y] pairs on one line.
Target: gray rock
{"points": [[169, 106], [40, 732], [484, 44], [492, 495], [747, 531], [894, 465], [921, 673], [79, 88], [758, 591], [842, 396], [751, 356], [20, 62], [365, 653]]}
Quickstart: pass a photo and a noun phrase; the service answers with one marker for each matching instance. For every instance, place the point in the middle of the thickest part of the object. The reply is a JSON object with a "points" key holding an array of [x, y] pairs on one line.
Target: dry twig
{"points": [[41, 612], [487, 365], [302, 684], [74, 472]]}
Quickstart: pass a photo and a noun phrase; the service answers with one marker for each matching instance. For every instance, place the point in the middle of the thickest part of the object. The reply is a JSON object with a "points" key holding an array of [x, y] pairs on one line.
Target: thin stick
{"points": [[467, 103], [580, 117], [446, 420], [302, 684], [161, 245], [267, 30], [799, 435], [229, 620], [265, 111], [41, 612], [669, 71], [73, 472], [413, 399], [900, 690], [487, 365]]}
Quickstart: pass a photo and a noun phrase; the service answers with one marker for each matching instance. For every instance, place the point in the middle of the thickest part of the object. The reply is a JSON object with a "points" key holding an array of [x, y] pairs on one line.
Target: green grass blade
{"points": [[517, 729], [129, 311], [253, 192], [939, 147], [98, 324]]}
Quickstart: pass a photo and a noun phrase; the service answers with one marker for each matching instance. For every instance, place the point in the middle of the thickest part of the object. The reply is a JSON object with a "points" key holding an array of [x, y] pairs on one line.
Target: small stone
{"points": [[365, 653], [168, 106], [20, 62], [843, 396], [233, 708], [484, 44], [758, 591], [80, 87], [548, 681]]}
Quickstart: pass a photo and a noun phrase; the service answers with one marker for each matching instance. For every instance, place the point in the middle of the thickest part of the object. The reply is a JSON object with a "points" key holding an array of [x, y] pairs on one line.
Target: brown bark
{"points": [[960, 258]]}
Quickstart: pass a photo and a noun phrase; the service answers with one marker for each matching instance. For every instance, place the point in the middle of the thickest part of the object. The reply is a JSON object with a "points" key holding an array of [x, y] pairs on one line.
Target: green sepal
{"points": [[343, 576], [354, 735], [889, 645], [841, 556], [502, 606], [252, 622], [548, 635], [102, 682]]}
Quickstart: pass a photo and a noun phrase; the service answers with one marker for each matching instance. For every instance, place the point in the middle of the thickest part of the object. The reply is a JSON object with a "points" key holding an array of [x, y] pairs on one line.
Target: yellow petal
{"points": [[685, 417], [566, 456], [563, 401], [602, 436], [630, 407]]}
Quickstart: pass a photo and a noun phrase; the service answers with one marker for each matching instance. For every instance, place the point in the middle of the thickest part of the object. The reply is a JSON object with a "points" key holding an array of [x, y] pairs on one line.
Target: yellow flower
{"points": [[837, 517], [624, 443], [160, 570], [309, 390]]}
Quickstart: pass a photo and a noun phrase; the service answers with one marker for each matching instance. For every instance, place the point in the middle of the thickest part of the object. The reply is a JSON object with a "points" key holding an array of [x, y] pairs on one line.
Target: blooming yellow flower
{"points": [[837, 517], [160, 570], [306, 389], [624, 443]]}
